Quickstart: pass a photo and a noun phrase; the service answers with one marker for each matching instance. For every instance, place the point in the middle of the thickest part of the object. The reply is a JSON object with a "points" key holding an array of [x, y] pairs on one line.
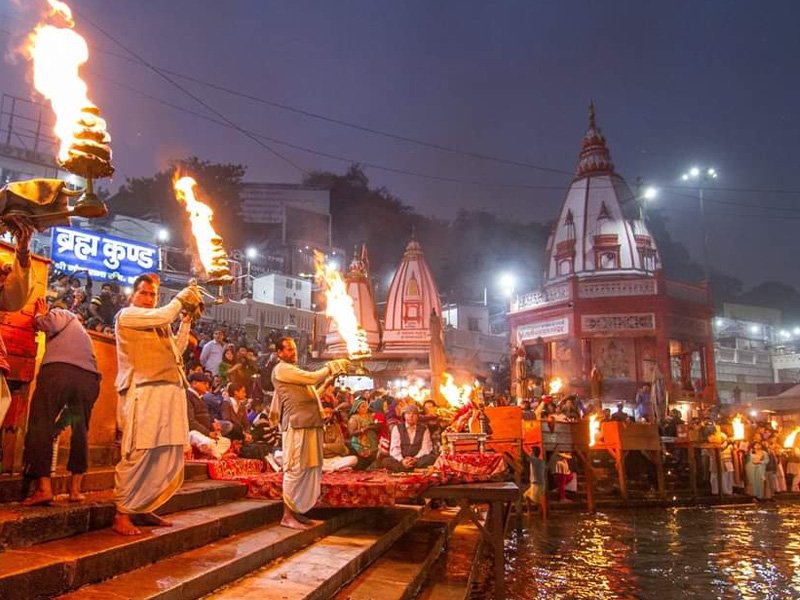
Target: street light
{"points": [[250, 253], [163, 235], [702, 177], [507, 282]]}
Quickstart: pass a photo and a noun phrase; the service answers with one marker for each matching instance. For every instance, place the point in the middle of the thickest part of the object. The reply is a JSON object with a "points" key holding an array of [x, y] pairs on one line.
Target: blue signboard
{"points": [[105, 257]]}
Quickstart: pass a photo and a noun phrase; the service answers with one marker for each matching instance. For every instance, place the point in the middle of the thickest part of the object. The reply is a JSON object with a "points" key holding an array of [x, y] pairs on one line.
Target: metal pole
{"points": [[705, 237]]}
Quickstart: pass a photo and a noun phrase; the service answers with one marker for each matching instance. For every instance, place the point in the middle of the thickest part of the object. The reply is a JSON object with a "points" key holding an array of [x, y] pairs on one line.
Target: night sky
{"points": [[675, 84]]}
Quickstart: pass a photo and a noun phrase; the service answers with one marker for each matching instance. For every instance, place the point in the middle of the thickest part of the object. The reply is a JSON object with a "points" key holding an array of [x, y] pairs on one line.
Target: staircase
{"points": [[224, 545]]}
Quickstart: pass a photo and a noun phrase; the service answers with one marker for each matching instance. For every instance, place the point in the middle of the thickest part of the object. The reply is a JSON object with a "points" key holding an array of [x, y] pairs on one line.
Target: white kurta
{"points": [[154, 422], [302, 448]]}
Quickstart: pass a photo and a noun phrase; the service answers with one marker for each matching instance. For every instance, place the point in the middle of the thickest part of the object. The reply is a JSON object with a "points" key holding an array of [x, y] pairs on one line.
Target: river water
{"points": [[743, 552]]}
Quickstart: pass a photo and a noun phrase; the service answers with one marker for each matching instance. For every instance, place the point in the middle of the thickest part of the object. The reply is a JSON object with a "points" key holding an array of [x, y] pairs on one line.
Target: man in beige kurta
{"points": [[151, 409], [296, 406]]}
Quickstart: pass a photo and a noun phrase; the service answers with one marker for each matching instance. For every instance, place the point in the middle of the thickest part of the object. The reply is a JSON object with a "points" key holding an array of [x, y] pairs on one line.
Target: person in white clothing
{"points": [[411, 446], [296, 406], [212, 352], [151, 409]]}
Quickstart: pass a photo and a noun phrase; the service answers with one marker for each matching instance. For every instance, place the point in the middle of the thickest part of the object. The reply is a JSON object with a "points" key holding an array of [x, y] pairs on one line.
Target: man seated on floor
{"points": [[411, 447], [335, 454], [205, 433]]}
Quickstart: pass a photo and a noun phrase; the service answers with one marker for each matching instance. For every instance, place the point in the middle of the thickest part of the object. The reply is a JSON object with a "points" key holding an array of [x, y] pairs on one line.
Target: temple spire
{"points": [[594, 157]]}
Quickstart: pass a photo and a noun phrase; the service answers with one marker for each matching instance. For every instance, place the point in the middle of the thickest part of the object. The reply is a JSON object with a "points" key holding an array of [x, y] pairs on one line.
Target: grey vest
{"points": [[299, 405], [407, 447]]}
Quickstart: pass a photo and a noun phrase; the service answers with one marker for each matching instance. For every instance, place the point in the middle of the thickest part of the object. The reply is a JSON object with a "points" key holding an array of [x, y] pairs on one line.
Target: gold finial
{"points": [[591, 114]]}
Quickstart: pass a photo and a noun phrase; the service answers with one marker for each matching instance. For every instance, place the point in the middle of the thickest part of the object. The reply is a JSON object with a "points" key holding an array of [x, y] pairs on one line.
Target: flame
{"points": [[58, 53], [738, 428], [339, 307], [594, 429], [790, 439], [209, 244], [454, 394], [555, 385]]}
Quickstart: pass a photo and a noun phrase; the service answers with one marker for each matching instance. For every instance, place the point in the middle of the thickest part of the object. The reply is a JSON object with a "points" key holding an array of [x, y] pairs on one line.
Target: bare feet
{"points": [[153, 519], [293, 521], [124, 526], [76, 497], [38, 498]]}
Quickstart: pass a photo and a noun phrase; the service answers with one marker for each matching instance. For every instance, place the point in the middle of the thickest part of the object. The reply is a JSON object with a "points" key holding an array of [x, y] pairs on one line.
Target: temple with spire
{"points": [[606, 308], [401, 343]]}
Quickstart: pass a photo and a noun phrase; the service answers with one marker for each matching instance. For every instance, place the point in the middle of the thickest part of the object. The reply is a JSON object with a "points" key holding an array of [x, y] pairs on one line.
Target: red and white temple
{"points": [[401, 345], [606, 314], [412, 297]]}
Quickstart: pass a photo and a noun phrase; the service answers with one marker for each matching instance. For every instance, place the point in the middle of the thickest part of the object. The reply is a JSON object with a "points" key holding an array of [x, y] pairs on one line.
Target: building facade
{"points": [[607, 320]]}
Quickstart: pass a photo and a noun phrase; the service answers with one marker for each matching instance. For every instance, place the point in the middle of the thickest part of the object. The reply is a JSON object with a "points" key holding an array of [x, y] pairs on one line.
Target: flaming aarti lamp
{"points": [[89, 157]]}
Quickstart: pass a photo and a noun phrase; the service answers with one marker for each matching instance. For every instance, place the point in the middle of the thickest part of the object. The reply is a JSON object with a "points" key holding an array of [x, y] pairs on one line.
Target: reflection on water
{"points": [[746, 552]]}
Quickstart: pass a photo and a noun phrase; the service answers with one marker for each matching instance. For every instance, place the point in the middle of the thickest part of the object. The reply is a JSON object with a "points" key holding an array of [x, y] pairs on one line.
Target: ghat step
{"points": [[318, 571], [196, 572], [401, 571], [53, 567], [26, 526]]}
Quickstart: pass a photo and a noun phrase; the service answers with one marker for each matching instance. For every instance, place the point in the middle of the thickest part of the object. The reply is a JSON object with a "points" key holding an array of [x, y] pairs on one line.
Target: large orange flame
{"points": [[594, 429], [738, 427], [58, 53], [454, 394], [209, 243], [339, 307], [790, 439]]}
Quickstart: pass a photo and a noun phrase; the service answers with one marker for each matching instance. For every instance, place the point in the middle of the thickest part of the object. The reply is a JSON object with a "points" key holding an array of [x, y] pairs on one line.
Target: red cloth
{"points": [[235, 468], [350, 489], [471, 467]]}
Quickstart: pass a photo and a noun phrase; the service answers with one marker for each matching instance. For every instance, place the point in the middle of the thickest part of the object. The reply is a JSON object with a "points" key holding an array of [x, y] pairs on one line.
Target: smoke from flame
{"points": [[209, 243], [57, 53], [339, 307]]}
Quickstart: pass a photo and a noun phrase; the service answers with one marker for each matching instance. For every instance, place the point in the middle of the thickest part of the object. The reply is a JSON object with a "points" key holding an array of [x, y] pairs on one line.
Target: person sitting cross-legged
{"points": [[205, 433], [411, 447], [335, 453]]}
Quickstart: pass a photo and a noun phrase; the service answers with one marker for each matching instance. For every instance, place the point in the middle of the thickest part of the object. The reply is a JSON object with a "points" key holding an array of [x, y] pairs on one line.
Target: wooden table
{"points": [[499, 496]]}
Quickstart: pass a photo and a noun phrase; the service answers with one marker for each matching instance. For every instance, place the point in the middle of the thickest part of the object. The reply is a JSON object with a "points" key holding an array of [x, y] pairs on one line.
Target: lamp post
{"points": [[250, 254], [702, 177]]}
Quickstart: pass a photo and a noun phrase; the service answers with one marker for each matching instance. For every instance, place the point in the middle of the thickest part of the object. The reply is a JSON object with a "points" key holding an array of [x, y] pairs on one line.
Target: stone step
{"points": [[14, 487], [402, 570], [318, 571], [451, 576], [26, 526], [55, 567], [200, 571]]}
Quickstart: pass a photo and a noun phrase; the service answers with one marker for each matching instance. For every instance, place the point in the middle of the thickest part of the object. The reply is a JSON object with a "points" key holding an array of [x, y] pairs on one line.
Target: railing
{"points": [[684, 291]]}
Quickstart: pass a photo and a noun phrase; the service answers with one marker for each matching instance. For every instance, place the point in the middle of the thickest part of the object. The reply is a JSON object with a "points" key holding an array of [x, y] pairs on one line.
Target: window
{"points": [[474, 324], [298, 285], [288, 284], [298, 303], [289, 301]]}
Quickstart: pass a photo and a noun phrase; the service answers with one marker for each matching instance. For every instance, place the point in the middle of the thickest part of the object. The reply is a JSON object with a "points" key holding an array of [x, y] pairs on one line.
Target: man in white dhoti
{"points": [[151, 409], [296, 406]]}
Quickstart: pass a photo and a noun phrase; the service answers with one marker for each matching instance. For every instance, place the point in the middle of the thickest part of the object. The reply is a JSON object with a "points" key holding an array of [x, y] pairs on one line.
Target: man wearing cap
{"points": [[411, 447], [296, 406], [205, 432], [151, 409]]}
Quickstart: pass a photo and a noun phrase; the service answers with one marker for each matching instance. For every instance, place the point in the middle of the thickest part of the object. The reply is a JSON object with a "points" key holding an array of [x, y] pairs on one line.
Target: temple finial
{"points": [[591, 114]]}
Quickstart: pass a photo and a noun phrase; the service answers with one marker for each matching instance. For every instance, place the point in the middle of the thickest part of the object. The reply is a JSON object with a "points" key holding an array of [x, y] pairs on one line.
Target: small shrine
{"points": [[607, 320]]}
